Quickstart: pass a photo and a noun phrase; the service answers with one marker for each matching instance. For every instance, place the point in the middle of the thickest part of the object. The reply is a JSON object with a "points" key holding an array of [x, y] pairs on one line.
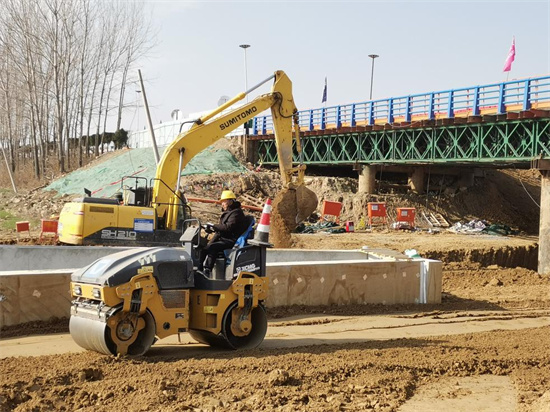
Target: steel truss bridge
{"points": [[500, 123]]}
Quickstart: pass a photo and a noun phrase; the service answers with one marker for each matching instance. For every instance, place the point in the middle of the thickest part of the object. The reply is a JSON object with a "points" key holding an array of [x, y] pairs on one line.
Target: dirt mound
{"points": [[54, 325], [507, 197], [257, 185]]}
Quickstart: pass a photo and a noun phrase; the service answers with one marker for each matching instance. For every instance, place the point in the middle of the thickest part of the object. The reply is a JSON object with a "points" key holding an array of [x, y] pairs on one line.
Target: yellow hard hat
{"points": [[227, 194]]}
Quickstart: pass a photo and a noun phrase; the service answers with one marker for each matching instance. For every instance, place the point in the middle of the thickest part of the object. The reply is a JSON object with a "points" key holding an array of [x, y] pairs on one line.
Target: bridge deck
{"points": [[505, 122]]}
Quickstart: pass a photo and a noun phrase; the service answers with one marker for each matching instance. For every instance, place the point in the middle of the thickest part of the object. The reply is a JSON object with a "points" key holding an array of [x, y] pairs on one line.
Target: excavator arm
{"points": [[213, 126]]}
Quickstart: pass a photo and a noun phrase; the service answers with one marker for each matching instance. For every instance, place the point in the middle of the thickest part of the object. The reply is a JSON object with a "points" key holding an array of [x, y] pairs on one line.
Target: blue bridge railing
{"points": [[498, 98]]}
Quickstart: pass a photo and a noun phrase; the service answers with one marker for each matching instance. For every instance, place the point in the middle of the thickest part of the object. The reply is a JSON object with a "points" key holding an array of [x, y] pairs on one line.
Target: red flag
{"points": [[511, 57]]}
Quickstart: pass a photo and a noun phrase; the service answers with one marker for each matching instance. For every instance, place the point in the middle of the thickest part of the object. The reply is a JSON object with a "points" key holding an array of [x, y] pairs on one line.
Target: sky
{"points": [[424, 46]]}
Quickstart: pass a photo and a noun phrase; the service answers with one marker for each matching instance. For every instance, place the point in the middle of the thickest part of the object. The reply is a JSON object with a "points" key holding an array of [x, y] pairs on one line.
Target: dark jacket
{"points": [[233, 223]]}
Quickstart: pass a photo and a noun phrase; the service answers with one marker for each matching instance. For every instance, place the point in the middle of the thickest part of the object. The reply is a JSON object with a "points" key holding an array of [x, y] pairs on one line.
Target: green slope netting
{"points": [[213, 161], [103, 180]]}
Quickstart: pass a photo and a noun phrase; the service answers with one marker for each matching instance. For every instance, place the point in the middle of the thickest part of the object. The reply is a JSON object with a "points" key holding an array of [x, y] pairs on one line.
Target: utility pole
{"points": [[9, 170], [155, 148]]}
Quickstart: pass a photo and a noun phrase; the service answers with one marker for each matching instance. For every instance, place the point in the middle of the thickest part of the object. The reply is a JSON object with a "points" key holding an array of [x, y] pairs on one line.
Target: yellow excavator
{"points": [[152, 213], [124, 302]]}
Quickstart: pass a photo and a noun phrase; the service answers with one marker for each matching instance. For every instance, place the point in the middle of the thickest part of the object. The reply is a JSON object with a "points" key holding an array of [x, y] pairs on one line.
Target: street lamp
{"points": [[372, 56], [244, 47]]}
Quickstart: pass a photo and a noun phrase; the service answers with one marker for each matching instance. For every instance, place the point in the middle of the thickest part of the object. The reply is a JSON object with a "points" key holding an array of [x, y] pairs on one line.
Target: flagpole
{"points": [[510, 58], [324, 99]]}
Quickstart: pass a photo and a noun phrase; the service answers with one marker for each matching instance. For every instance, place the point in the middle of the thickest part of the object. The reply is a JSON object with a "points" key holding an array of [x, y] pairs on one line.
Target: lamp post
{"points": [[244, 47], [372, 56]]}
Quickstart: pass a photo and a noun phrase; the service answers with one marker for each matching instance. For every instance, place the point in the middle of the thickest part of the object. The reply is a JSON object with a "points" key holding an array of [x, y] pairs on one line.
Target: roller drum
{"points": [[226, 339], [89, 334], [93, 332]]}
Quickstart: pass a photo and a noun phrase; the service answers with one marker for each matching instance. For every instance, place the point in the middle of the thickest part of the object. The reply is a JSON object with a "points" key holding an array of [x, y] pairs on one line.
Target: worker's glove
{"points": [[209, 228]]}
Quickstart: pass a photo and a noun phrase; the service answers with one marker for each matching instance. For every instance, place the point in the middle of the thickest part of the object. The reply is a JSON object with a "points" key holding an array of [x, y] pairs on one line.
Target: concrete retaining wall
{"points": [[354, 282], [50, 257], [29, 298], [296, 277]]}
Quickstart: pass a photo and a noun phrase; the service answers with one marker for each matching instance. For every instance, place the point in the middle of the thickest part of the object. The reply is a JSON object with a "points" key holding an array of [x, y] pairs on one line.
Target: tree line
{"points": [[64, 69]]}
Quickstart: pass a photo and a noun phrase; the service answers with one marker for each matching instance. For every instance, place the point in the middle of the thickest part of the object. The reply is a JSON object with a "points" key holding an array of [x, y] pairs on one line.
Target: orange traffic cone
{"points": [[261, 238]]}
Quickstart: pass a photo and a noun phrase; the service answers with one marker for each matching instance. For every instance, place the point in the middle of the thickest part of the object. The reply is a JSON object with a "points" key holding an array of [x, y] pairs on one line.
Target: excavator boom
{"points": [[216, 124]]}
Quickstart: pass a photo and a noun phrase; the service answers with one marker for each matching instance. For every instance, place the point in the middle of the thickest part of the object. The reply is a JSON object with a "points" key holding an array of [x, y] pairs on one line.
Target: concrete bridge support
{"points": [[367, 179], [544, 228], [467, 178], [417, 180]]}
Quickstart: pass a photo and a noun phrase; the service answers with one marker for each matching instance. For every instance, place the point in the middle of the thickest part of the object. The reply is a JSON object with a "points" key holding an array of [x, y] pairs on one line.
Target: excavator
{"points": [[152, 213], [124, 302]]}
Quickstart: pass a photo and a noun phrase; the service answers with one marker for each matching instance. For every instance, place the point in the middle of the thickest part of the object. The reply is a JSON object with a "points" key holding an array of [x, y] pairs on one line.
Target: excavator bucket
{"points": [[295, 205], [306, 203]]}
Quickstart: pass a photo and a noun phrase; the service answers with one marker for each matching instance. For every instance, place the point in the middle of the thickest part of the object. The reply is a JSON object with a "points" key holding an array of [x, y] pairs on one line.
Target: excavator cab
{"points": [[136, 193]]}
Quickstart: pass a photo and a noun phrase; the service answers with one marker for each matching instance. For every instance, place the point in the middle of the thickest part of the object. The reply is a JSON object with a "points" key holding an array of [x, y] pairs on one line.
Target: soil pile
{"points": [[510, 197], [377, 375], [282, 212]]}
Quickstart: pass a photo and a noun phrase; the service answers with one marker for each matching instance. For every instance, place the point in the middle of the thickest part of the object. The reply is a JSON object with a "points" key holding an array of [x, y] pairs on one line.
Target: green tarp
{"points": [[103, 179]]}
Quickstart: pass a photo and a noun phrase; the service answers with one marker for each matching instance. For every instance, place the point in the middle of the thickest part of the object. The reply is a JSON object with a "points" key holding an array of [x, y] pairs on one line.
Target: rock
{"points": [[278, 377], [542, 404], [495, 282], [449, 191]]}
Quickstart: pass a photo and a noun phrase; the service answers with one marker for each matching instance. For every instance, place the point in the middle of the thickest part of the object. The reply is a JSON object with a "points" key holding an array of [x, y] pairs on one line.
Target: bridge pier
{"points": [[544, 226], [467, 178], [367, 179], [417, 181]]}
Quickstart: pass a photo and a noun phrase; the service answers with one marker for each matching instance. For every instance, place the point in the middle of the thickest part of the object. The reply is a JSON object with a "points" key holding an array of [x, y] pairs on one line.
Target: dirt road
{"points": [[355, 364], [495, 358], [485, 347], [298, 331]]}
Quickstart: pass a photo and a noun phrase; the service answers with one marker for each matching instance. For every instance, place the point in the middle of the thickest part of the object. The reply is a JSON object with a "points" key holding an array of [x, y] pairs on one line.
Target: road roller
{"points": [[124, 302]]}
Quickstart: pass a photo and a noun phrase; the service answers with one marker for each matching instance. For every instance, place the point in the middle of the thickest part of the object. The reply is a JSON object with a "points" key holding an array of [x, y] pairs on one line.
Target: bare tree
{"points": [[61, 62], [140, 39]]}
